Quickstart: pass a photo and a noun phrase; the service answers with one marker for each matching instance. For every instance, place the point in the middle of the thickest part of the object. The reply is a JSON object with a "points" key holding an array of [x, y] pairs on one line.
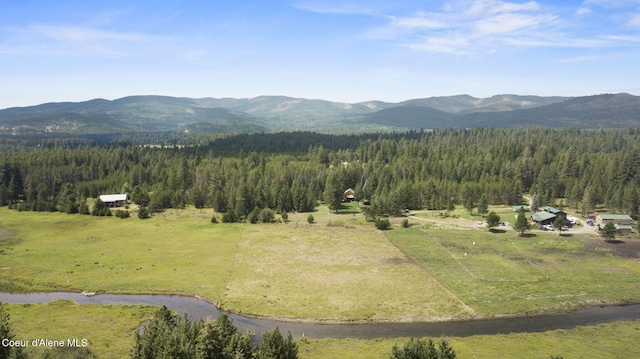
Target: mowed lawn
{"points": [[293, 270], [505, 274]]}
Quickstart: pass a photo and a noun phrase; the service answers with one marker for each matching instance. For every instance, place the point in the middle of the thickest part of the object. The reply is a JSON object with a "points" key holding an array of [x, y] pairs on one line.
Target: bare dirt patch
{"points": [[5, 237], [622, 247]]}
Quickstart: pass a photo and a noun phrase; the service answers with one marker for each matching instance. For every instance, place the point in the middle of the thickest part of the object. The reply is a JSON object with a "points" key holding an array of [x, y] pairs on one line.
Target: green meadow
{"points": [[338, 269], [616, 340], [328, 271], [108, 329], [503, 274]]}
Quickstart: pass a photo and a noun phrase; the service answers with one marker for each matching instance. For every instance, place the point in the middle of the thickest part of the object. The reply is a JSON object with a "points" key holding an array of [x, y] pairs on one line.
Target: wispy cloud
{"points": [[476, 27], [74, 40], [472, 27], [335, 8]]}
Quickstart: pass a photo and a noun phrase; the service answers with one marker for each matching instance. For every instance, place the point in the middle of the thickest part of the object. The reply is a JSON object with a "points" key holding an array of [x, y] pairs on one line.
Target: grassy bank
{"points": [[616, 340], [108, 329]]}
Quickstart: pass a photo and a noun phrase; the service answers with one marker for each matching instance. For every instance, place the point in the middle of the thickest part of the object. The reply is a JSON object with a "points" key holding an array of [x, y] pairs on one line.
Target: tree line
{"points": [[434, 170]]}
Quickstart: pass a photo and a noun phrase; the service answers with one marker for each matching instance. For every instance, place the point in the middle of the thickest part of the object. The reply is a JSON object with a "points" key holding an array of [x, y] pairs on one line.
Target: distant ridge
{"points": [[281, 113]]}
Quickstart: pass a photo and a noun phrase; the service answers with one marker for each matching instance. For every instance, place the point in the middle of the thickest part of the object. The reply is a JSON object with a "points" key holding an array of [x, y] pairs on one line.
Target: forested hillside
{"points": [[289, 172], [144, 114]]}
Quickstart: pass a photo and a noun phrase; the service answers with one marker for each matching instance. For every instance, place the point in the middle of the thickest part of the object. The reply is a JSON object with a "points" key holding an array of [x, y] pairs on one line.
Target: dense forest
{"points": [[287, 172]]}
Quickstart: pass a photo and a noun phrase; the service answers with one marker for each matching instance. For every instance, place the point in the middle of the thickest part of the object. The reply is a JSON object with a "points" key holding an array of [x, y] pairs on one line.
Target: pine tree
{"points": [[274, 346], [522, 224], [493, 220], [5, 332]]}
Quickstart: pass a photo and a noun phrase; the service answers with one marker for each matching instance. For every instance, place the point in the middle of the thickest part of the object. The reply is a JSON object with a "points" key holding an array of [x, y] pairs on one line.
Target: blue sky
{"points": [[346, 51]]}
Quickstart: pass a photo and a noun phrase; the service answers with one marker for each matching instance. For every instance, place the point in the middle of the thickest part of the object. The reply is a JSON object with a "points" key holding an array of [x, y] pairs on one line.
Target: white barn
{"points": [[114, 200]]}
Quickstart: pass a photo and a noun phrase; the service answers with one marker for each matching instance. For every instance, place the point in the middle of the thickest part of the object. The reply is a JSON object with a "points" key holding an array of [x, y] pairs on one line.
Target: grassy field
{"points": [[107, 329], [332, 270], [616, 341], [501, 273], [339, 268]]}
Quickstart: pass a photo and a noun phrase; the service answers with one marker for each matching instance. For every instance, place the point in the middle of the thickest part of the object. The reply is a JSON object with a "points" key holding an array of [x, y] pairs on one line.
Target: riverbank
{"points": [[201, 309]]}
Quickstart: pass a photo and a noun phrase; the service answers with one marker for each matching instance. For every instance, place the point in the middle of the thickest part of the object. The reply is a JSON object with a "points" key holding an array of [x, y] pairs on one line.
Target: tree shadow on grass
{"points": [[501, 231], [527, 235], [615, 241], [348, 209]]}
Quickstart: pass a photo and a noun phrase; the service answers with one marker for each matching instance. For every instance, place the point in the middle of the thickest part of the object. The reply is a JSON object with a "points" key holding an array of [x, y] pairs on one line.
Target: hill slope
{"points": [[280, 113]]}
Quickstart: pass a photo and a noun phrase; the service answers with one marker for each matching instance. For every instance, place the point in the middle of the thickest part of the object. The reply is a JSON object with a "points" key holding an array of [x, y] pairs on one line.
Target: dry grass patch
{"points": [[327, 273]]}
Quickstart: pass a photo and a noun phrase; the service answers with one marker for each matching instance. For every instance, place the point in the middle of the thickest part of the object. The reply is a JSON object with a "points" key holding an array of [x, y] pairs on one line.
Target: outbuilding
{"points": [[619, 219], [543, 217], [114, 200]]}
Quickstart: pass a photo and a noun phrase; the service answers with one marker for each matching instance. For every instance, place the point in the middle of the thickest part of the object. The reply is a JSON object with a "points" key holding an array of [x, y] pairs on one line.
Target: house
{"points": [[114, 200], [517, 208], [543, 218], [619, 219], [349, 195]]}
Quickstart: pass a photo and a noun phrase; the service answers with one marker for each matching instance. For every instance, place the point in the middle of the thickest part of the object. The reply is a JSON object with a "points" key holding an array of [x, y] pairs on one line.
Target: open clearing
{"points": [[338, 269], [293, 270]]}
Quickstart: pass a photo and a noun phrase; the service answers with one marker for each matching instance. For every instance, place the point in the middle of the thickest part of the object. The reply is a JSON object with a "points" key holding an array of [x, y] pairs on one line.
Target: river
{"points": [[201, 309]]}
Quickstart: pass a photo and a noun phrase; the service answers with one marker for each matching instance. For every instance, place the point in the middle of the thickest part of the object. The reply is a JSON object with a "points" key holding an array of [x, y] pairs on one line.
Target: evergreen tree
{"points": [[522, 224], [274, 346], [5, 332], [608, 231], [493, 220], [483, 205], [534, 202], [143, 212], [422, 349], [333, 192], [559, 223]]}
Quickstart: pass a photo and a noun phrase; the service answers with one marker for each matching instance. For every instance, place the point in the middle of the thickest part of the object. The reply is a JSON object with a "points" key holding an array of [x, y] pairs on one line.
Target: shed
{"points": [[114, 200], [619, 219], [623, 229]]}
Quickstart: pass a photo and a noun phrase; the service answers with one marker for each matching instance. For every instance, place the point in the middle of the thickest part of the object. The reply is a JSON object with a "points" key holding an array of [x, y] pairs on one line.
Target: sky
{"points": [[346, 51]]}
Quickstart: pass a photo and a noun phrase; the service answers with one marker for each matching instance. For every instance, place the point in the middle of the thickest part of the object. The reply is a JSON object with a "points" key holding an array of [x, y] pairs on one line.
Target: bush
{"points": [[405, 223], [122, 214], [229, 217], [310, 219], [214, 219], [383, 224], [143, 213], [267, 215], [285, 217]]}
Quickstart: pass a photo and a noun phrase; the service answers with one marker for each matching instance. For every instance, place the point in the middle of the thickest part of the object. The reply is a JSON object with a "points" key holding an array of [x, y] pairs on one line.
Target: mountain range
{"points": [[279, 113]]}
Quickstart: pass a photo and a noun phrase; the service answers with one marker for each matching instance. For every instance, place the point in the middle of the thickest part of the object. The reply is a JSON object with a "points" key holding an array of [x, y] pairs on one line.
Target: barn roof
{"points": [[542, 216], [107, 198], [610, 217]]}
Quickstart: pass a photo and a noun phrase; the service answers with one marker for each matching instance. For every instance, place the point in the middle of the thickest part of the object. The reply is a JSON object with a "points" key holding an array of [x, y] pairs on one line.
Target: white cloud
{"points": [[613, 3], [490, 7], [634, 21], [477, 27], [583, 11], [333, 8], [55, 39]]}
